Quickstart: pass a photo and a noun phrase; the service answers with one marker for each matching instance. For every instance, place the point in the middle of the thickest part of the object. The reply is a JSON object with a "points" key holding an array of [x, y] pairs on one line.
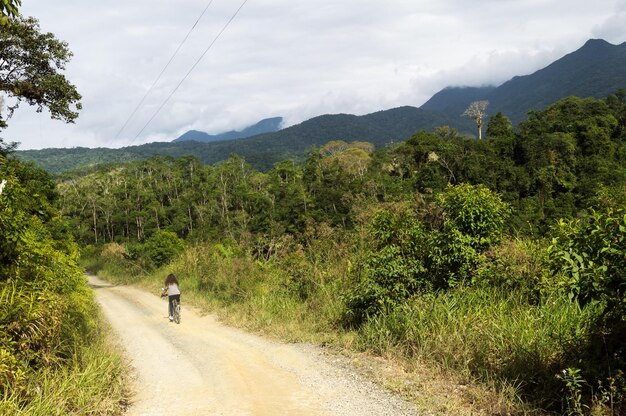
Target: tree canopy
{"points": [[31, 63]]}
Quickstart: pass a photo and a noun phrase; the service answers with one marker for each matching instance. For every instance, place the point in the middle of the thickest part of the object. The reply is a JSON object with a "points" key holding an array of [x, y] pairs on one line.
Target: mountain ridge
{"points": [[594, 70], [267, 125]]}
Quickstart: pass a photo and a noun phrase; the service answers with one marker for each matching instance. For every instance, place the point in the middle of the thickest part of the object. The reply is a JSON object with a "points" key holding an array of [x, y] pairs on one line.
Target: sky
{"points": [[289, 58]]}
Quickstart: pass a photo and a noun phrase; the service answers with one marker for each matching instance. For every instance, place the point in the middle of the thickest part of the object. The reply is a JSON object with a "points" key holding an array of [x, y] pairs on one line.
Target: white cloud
{"points": [[613, 29], [291, 59]]}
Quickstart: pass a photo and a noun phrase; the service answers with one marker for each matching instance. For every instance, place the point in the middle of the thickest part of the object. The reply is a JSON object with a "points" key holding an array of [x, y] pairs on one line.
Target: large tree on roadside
{"points": [[30, 71]]}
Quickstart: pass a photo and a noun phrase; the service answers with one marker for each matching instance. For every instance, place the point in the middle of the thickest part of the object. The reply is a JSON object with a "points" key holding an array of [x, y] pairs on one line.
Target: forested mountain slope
{"points": [[261, 151], [595, 70]]}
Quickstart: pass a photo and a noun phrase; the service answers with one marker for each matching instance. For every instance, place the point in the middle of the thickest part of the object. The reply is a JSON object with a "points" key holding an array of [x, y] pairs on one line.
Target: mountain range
{"points": [[268, 125], [594, 70]]}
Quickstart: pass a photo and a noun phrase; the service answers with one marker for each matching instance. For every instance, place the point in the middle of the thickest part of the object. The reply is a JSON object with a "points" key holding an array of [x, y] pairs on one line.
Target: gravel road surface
{"points": [[202, 367]]}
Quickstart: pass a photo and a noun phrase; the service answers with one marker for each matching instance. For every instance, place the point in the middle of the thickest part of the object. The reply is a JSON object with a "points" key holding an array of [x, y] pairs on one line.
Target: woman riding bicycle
{"points": [[172, 291]]}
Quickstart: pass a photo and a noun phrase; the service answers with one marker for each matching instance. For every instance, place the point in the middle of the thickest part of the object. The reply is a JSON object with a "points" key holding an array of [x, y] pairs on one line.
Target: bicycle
{"points": [[176, 314], [176, 309]]}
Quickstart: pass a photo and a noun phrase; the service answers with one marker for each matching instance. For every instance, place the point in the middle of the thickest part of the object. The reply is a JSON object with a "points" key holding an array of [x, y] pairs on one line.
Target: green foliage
{"points": [[574, 383], [587, 257], [31, 69], [162, 247], [514, 265], [489, 334], [394, 269], [474, 211], [408, 256], [47, 312], [500, 126], [8, 9], [590, 255]]}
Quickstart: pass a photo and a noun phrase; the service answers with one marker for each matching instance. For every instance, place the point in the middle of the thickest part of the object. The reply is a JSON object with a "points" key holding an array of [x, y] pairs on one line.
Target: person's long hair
{"points": [[171, 279]]}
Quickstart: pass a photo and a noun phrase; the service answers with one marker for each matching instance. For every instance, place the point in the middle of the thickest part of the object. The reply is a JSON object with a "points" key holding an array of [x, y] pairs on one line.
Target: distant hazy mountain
{"points": [[595, 70], [268, 125]]}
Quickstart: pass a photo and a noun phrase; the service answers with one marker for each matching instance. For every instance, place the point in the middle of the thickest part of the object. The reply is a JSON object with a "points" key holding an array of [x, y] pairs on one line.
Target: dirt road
{"points": [[202, 367]]}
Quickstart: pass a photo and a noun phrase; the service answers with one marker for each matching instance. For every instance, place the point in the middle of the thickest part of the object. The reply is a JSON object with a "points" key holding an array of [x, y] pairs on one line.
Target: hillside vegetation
{"points": [[54, 358], [501, 260]]}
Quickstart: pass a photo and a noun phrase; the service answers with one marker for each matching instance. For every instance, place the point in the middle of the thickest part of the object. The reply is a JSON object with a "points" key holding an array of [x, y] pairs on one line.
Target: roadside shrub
{"points": [[407, 258], [471, 219], [394, 268], [475, 212], [162, 247], [588, 260], [514, 264]]}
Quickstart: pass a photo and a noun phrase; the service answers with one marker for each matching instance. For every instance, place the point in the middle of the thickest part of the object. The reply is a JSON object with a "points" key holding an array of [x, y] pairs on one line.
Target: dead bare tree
{"points": [[476, 110]]}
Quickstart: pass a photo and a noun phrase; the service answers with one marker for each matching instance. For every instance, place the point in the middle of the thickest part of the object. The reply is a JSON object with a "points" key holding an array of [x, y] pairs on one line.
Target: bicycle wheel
{"points": [[176, 306]]}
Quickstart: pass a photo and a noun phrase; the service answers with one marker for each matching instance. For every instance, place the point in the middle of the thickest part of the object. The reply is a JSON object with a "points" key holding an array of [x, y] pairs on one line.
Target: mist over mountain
{"points": [[595, 70]]}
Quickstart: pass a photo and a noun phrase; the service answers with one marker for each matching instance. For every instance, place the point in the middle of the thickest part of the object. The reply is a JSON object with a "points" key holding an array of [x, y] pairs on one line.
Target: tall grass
{"points": [[91, 382], [491, 335], [89, 385], [260, 295]]}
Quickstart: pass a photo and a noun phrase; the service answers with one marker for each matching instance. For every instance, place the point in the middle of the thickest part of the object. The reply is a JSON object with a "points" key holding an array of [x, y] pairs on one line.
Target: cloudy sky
{"points": [[290, 58]]}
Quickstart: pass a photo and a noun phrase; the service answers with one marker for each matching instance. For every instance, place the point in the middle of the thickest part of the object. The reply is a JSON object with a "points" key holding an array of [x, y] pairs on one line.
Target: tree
{"points": [[500, 126], [30, 70], [476, 110], [8, 9]]}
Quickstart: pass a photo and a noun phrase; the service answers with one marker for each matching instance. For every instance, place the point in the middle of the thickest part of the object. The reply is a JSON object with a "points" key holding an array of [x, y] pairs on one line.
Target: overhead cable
{"points": [[192, 68], [163, 70]]}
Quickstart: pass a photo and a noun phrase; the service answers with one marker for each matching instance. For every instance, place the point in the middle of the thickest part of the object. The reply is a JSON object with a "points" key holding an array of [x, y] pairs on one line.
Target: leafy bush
{"points": [[589, 256], [406, 257], [475, 212], [588, 259], [514, 264], [47, 312], [394, 268], [162, 247]]}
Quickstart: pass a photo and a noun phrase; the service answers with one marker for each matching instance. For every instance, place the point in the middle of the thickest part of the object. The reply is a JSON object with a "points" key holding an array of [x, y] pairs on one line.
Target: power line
{"points": [[192, 68], [163, 70]]}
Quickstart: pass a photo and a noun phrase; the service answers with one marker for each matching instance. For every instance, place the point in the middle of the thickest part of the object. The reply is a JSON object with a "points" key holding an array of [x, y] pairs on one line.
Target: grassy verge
{"points": [[91, 382], [492, 336]]}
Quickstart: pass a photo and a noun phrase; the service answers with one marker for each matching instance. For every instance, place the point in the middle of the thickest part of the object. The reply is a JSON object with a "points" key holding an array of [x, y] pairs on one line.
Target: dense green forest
{"points": [[502, 259]]}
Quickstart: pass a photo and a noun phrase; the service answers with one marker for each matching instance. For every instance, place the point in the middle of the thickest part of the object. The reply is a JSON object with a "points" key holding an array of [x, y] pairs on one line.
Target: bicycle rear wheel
{"points": [[176, 307]]}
